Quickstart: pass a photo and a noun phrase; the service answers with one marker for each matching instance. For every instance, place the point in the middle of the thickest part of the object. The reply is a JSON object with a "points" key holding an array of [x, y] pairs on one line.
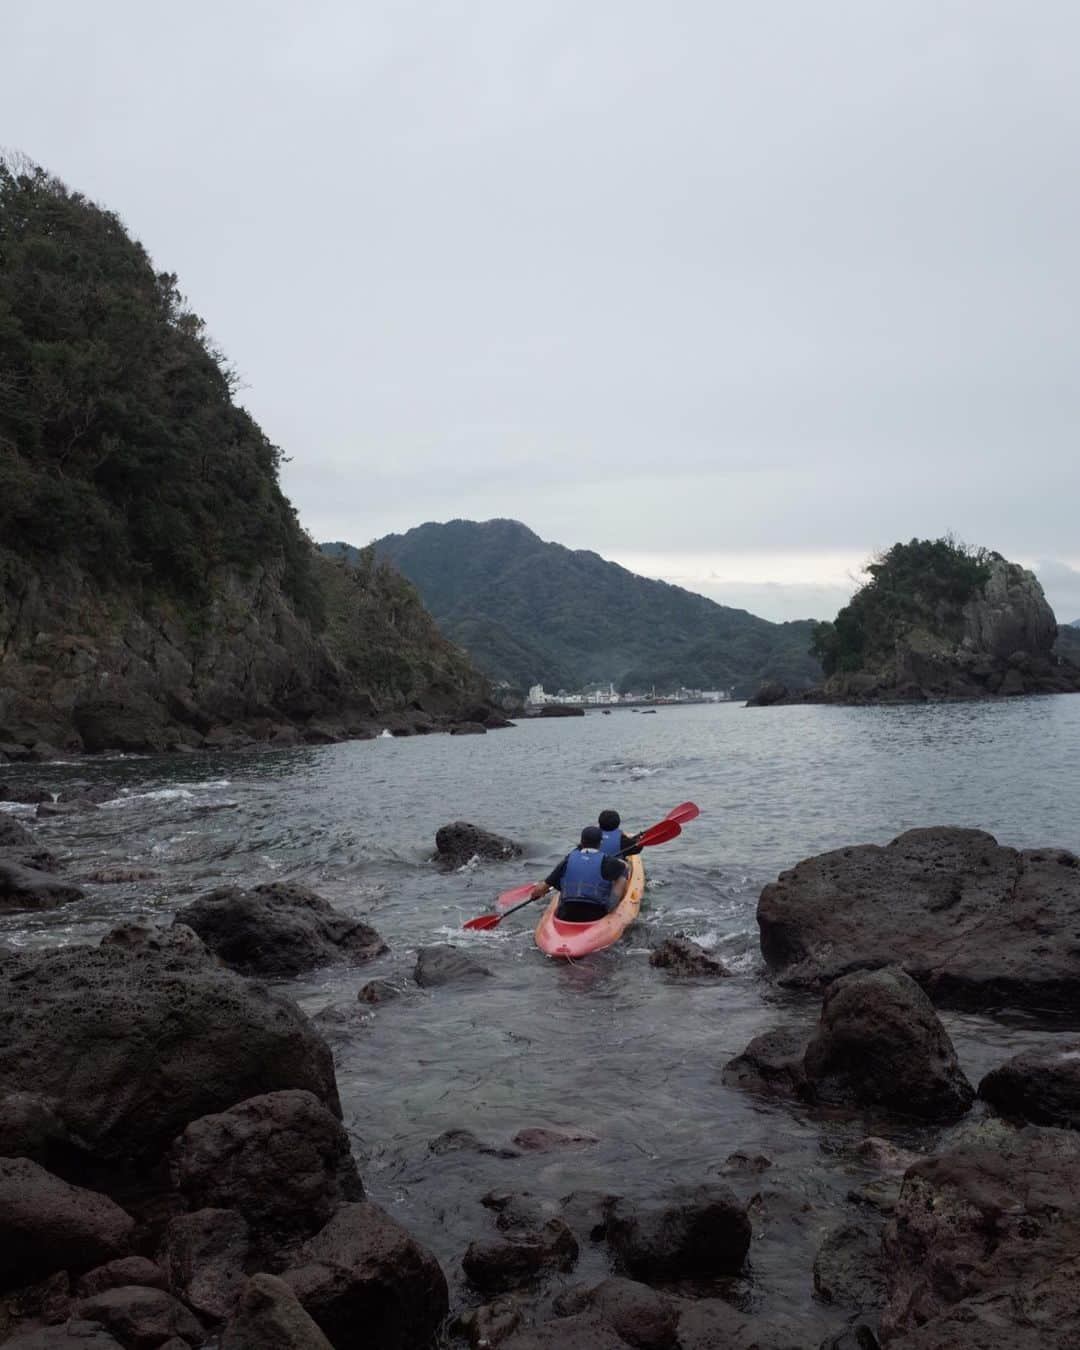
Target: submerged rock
{"points": [[278, 929], [681, 957], [444, 964], [459, 842], [1042, 1086], [697, 1231], [977, 925], [27, 888], [499, 1264], [544, 1138], [880, 1043]]}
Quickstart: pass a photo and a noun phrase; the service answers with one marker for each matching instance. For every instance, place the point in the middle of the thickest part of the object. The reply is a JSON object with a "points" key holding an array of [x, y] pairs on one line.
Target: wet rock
{"points": [[978, 925], [444, 964], [94, 794], [745, 1164], [880, 1043], [48, 1225], [885, 1155], [464, 1141], [848, 1267], [468, 729], [643, 1318], [73, 1335], [697, 1231], [278, 929], [128, 1047], [772, 691], [545, 1138], [859, 1337], [118, 876], [489, 1325], [772, 1063], [685, 959], [378, 991], [177, 941], [712, 1324], [497, 1265], [587, 1213], [561, 710], [270, 1317], [141, 1318], [991, 1217], [459, 842], [206, 1255], [27, 796], [1042, 1086], [124, 1270], [27, 888], [585, 1331], [14, 835], [282, 1160], [363, 1269], [72, 806]]}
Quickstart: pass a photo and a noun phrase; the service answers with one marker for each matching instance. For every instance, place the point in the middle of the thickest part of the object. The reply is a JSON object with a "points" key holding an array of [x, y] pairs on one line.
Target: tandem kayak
{"points": [[558, 937]]}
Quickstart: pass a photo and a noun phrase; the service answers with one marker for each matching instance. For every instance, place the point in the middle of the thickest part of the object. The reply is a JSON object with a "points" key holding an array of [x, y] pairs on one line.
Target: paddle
{"points": [[655, 834], [682, 813]]}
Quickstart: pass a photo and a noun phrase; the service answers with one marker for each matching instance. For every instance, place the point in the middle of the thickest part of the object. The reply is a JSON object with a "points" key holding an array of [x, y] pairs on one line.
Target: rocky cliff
{"points": [[156, 589]]}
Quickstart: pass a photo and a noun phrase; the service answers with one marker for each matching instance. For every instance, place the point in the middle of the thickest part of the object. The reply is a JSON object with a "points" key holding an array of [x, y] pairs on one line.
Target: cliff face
{"points": [[155, 586]]}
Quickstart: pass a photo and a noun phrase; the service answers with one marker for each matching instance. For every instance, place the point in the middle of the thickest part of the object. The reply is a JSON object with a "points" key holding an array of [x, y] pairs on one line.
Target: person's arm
{"points": [[618, 873], [629, 845], [550, 883]]}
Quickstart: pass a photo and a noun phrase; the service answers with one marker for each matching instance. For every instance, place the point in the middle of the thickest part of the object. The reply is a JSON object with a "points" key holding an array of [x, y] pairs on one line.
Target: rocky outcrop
{"points": [[1042, 1086], [686, 960], [772, 691], [977, 924], [880, 1043], [278, 929], [696, 1231], [458, 843]]}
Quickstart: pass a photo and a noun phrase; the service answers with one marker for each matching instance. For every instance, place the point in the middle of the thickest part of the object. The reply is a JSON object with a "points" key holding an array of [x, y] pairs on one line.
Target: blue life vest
{"points": [[583, 878], [611, 843]]}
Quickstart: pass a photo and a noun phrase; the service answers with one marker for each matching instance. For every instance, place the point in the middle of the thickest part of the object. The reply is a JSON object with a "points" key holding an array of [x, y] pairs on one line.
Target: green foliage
{"points": [[120, 444], [527, 611], [925, 581]]}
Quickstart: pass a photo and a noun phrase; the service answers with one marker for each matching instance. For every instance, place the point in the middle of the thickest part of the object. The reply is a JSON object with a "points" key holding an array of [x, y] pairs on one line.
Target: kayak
{"points": [[558, 937]]}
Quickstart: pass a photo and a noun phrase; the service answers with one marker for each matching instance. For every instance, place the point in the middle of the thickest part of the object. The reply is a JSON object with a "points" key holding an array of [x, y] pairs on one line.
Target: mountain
{"points": [[529, 611], [937, 619], [156, 588]]}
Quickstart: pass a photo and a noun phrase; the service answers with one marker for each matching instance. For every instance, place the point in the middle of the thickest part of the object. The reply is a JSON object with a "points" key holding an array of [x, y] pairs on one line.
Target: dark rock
{"points": [[364, 1270], [887, 1156], [73, 1335], [496, 1265], [880, 1043], [976, 924], [848, 1267], [859, 1337], [14, 835], [378, 991], [679, 956], [28, 796], [489, 1325], [561, 710], [124, 1270], [141, 1318], [26, 888], [30, 1127], [457, 844], [1042, 1086], [992, 1216], [206, 1255], [118, 876], [129, 1047], [587, 1213], [645, 1319], [48, 1225], [468, 729], [712, 1324], [464, 1141], [94, 794], [270, 1317], [545, 1138], [585, 1331], [772, 691], [133, 725], [517, 1209], [72, 806], [744, 1165], [177, 941], [772, 1063], [283, 1160], [278, 929], [444, 964], [696, 1231]]}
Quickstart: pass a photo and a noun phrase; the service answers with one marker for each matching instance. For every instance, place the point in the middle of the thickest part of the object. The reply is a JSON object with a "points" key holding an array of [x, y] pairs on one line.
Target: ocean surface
{"points": [[608, 1045]]}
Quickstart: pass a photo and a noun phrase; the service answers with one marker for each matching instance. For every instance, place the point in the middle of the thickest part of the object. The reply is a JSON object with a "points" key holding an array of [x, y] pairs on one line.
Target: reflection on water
{"points": [[608, 1044]]}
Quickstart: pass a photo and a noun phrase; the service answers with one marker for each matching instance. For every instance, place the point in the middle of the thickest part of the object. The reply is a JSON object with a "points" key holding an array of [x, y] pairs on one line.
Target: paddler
{"points": [[613, 842], [589, 882]]}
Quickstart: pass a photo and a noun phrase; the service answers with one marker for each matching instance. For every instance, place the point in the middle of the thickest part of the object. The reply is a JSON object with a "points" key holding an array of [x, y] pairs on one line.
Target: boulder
{"points": [[497, 1265], [445, 964], [378, 991], [73, 1335], [848, 1268], [27, 888], [490, 1324], [364, 1270], [992, 1216], [282, 1160], [124, 1049], [458, 843], [278, 929], [141, 1318], [696, 1231], [14, 835], [561, 710], [978, 925], [269, 1317], [464, 1141], [771, 1064], [685, 959], [48, 1225], [1042, 1086], [28, 796], [545, 1138], [585, 1331], [644, 1318], [880, 1043], [124, 1270], [206, 1255], [772, 691]]}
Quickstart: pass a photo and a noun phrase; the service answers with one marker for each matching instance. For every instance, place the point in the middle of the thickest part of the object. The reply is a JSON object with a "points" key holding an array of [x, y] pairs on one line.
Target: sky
{"points": [[734, 294]]}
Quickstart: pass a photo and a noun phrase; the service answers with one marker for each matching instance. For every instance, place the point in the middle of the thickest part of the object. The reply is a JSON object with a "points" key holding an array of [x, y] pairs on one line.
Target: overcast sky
{"points": [[733, 293]]}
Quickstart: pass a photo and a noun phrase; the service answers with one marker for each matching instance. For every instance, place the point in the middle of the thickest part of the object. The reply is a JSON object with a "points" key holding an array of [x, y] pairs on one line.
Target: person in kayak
{"points": [[590, 884], [612, 840]]}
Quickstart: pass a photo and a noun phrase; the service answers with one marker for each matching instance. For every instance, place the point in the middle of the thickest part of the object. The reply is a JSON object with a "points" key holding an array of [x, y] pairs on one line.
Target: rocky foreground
{"points": [[174, 1170]]}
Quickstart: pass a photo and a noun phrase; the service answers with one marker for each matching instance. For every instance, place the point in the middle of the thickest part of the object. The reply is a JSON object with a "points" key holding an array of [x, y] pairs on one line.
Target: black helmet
{"points": [[590, 836], [609, 820]]}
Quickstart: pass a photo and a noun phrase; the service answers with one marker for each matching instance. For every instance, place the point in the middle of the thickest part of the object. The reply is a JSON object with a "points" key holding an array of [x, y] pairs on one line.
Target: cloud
{"points": [[1061, 582]]}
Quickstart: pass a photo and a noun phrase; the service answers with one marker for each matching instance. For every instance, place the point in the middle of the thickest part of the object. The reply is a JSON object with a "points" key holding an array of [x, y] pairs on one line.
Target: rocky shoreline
{"points": [[174, 1170]]}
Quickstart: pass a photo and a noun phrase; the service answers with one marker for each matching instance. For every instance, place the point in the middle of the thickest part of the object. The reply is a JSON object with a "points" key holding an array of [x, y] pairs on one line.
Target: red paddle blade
{"points": [[509, 898], [484, 921], [659, 834], [682, 813]]}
